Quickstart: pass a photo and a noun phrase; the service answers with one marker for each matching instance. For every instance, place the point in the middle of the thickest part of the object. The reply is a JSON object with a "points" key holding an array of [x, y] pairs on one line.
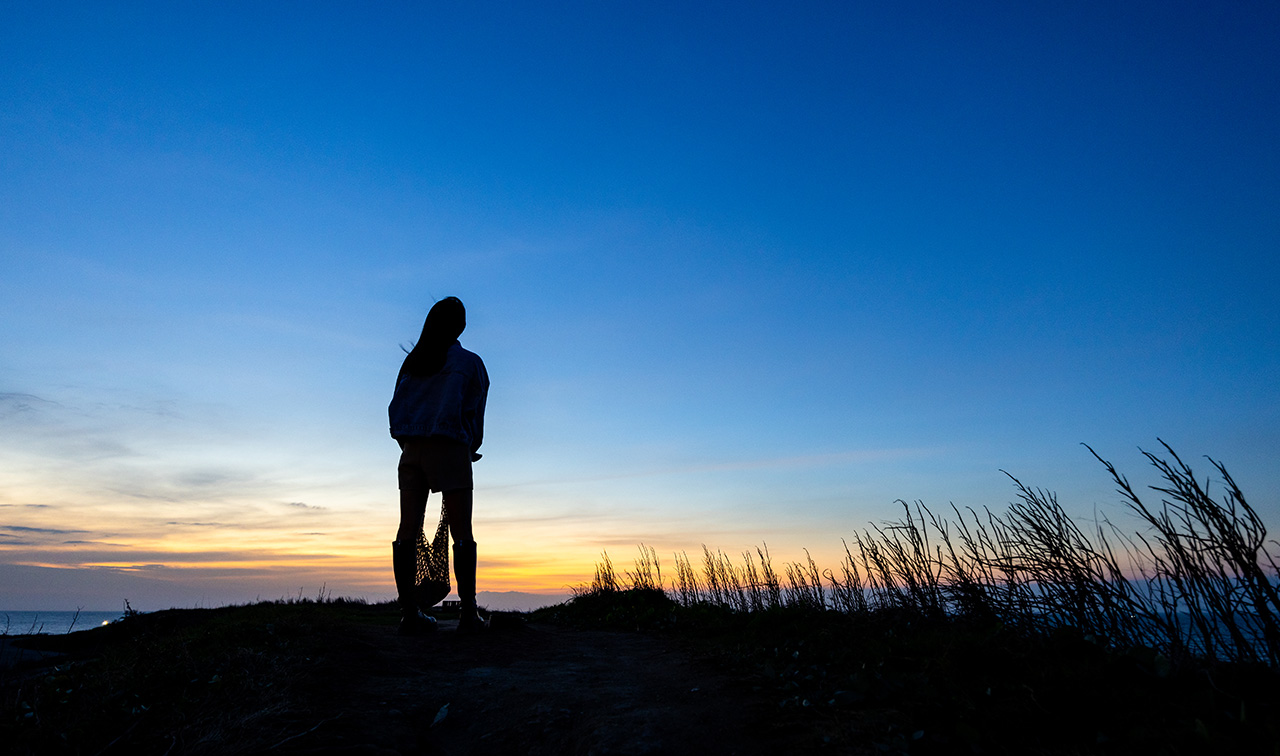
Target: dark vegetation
{"points": [[1018, 632], [178, 681], [1011, 632]]}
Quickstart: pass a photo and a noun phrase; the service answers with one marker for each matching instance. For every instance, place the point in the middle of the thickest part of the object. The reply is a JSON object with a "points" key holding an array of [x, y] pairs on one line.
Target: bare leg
{"points": [[457, 504], [413, 508], [404, 555]]}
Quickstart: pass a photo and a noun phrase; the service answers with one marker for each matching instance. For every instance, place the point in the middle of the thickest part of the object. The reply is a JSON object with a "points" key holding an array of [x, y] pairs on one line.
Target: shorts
{"points": [[434, 464]]}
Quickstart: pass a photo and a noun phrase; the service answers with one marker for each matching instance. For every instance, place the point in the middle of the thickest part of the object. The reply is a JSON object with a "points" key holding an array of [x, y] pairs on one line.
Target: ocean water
{"points": [[52, 623]]}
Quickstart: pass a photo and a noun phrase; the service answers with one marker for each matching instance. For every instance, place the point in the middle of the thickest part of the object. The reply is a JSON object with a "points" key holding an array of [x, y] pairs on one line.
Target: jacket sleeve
{"points": [[482, 397]]}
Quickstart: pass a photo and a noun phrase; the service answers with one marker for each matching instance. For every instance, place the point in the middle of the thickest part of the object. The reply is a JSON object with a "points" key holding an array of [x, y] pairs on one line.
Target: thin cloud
{"points": [[209, 478], [15, 402], [49, 531], [634, 542], [62, 431], [571, 516], [304, 505], [125, 555], [193, 485], [499, 562]]}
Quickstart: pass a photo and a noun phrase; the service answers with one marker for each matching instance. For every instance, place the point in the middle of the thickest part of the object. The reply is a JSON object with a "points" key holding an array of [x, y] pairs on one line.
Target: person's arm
{"points": [[479, 428], [399, 378], [482, 396]]}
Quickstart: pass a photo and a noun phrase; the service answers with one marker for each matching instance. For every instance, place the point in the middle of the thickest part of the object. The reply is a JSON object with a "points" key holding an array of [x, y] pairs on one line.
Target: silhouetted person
{"points": [[437, 416]]}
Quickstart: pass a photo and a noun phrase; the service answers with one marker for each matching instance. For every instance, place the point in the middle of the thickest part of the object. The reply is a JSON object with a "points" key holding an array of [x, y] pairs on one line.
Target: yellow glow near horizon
{"points": [[248, 548], [349, 550]]}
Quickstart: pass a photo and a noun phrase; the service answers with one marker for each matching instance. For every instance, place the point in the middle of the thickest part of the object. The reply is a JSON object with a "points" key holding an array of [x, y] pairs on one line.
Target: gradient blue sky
{"points": [[741, 273]]}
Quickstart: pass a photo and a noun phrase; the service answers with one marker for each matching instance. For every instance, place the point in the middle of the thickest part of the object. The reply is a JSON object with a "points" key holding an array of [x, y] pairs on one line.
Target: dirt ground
{"points": [[531, 689]]}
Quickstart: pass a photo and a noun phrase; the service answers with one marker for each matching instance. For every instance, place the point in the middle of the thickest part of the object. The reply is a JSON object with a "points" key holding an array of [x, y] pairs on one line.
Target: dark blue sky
{"points": [[740, 272]]}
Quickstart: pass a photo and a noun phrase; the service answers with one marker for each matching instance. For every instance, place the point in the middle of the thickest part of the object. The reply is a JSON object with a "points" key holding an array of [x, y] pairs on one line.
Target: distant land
{"points": [[18, 622], [517, 601]]}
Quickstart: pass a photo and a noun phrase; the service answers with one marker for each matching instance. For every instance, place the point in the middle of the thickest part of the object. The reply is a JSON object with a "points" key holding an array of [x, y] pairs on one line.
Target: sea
{"points": [[53, 623]]}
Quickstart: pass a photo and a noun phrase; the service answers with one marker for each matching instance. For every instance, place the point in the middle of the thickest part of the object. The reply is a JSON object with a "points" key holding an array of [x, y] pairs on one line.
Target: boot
{"points": [[464, 572], [404, 563]]}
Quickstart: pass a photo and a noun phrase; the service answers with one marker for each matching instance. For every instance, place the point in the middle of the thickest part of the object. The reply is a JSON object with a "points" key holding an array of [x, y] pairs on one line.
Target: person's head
{"points": [[444, 324]]}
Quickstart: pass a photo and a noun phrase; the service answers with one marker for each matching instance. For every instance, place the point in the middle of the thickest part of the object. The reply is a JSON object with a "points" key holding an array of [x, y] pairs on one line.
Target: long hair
{"points": [[445, 323]]}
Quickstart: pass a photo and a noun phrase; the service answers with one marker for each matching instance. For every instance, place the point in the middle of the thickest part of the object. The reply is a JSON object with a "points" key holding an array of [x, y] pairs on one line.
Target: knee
{"points": [[461, 531], [408, 530]]}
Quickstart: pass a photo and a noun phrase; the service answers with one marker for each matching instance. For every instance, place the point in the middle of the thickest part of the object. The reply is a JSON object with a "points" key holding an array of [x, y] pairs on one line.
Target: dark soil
{"points": [[306, 679], [540, 689], [614, 673]]}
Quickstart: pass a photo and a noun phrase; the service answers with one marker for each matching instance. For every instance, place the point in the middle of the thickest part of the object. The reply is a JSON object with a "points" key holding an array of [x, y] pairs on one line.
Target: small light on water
{"points": [[106, 622]]}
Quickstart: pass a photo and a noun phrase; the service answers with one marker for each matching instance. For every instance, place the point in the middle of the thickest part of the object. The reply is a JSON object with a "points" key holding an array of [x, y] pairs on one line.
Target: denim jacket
{"points": [[449, 403]]}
